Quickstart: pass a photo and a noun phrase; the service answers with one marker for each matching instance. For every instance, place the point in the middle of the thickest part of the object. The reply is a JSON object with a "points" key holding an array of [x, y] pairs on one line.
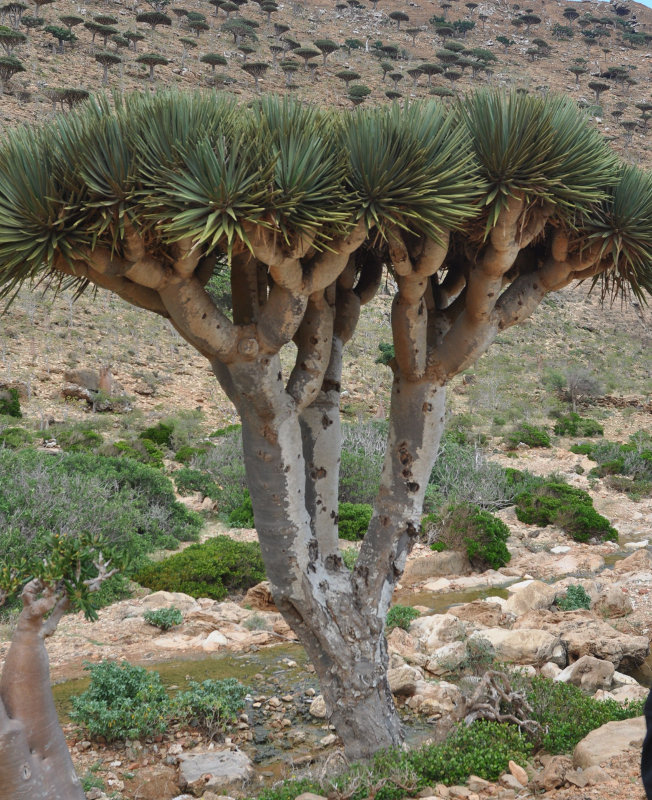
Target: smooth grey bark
{"points": [[34, 760]]}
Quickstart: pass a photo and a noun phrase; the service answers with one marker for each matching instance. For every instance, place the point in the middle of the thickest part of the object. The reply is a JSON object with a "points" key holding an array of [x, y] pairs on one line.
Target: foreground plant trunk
{"points": [[34, 760]]}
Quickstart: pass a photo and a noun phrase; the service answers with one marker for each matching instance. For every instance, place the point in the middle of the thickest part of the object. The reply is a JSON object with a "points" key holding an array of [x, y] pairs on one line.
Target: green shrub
{"points": [[193, 480], [128, 504], [210, 705], [584, 449], [482, 535], [556, 503], [350, 557], [122, 702], [400, 617], [78, 440], [567, 715], [214, 569], [185, 454], [160, 434], [575, 597], [164, 618], [236, 427], [14, 438], [386, 354], [10, 403], [353, 520], [483, 748], [143, 450], [243, 515], [574, 425], [531, 435]]}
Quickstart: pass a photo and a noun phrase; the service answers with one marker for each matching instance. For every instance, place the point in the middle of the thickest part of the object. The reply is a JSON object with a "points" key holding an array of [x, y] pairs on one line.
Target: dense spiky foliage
{"points": [[186, 165]]}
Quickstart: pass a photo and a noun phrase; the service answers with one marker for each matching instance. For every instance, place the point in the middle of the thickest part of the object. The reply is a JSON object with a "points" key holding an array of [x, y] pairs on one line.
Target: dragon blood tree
{"points": [[477, 212]]}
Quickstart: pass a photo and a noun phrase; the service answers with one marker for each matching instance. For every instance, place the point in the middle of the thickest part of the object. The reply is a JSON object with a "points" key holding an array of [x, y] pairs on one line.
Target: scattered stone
{"points": [[529, 596], [318, 707], [403, 680], [509, 781], [588, 673], [550, 670], [523, 646], [613, 602], [477, 784], [154, 782], [214, 769], [435, 565], [260, 598], [608, 741], [595, 774], [158, 600], [329, 740], [437, 629], [309, 796], [640, 561], [554, 773], [480, 612], [446, 659], [214, 641], [518, 772]]}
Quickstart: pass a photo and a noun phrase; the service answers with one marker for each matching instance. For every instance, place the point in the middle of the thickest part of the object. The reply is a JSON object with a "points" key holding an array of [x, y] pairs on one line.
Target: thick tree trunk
{"points": [[34, 759], [339, 616]]}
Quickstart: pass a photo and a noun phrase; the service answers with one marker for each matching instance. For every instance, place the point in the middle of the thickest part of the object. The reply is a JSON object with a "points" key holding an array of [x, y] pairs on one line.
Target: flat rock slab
{"points": [[215, 769], [608, 741]]}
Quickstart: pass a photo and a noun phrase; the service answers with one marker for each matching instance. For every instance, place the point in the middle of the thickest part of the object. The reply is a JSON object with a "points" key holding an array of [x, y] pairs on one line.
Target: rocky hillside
{"points": [[595, 51]]}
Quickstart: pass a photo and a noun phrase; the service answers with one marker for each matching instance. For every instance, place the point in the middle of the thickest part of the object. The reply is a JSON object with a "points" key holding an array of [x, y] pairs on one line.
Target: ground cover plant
{"points": [[473, 530], [214, 569], [306, 208]]}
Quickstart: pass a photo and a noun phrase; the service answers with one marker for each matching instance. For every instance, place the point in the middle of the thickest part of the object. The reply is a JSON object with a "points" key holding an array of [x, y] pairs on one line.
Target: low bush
{"points": [[553, 502], [353, 520], [574, 425], [567, 715], [143, 450], [193, 480], [210, 705], [476, 531], [186, 454], [243, 515], [531, 435], [400, 617], [224, 464], [10, 403], [129, 505], [574, 598], [78, 439], [363, 451], [164, 618], [160, 434], [483, 748], [349, 557], [462, 472], [214, 569], [14, 438], [122, 702]]}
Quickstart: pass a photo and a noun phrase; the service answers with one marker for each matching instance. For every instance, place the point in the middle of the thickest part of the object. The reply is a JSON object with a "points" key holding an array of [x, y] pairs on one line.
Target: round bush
{"points": [[353, 520], [213, 569], [482, 535], [122, 702]]}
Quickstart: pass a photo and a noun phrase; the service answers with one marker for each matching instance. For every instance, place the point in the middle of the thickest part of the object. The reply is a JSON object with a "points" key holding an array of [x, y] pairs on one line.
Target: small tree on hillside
{"points": [[154, 19], [214, 60], [71, 20], [398, 17], [413, 33], [9, 66], [14, 12], [256, 69], [306, 53], [134, 37], [429, 70], [348, 75], [577, 71], [62, 35], [10, 39], [599, 88], [478, 212], [106, 59], [326, 46], [188, 44], [152, 60]]}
